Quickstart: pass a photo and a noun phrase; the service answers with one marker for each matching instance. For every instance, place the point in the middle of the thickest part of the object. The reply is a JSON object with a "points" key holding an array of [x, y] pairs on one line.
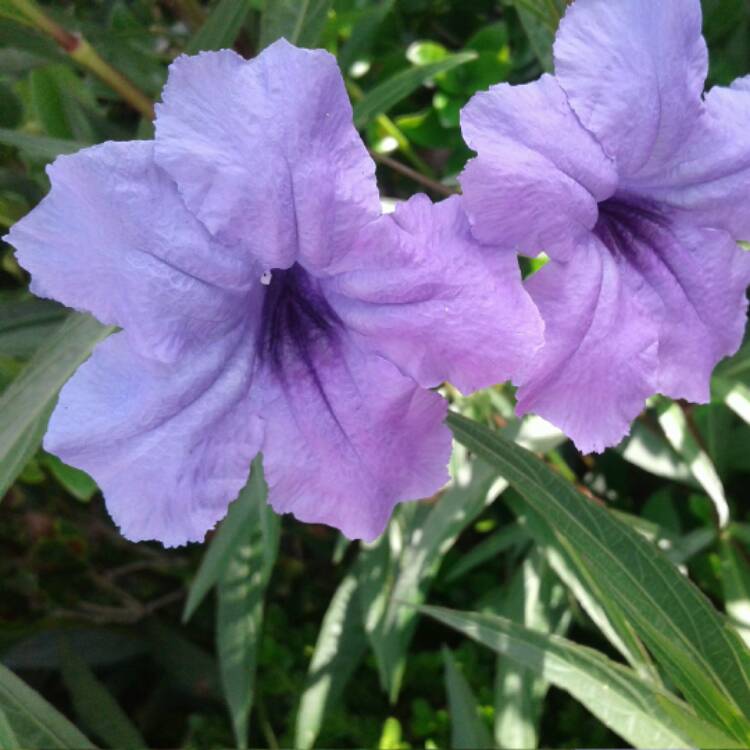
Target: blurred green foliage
{"points": [[134, 643]]}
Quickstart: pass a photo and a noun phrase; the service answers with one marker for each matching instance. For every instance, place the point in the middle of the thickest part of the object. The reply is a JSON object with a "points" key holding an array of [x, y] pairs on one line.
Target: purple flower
{"points": [[637, 187], [266, 306]]}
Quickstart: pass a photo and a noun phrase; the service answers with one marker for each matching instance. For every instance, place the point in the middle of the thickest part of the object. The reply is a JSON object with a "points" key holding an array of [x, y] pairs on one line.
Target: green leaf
{"points": [[537, 600], [33, 721], [11, 109], [78, 483], [384, 96], [574, 573], [735, 581], [94, 704], [39, 146], [677, 430], [47, 101], [400, 568], [339, 649], [222, 27], [704, 656], [27, 401], [183, 664], [26, 323], [735, 395], [239, 615], [363, 33], [8, 739], [223, 546], [298, 21], [540, 19], [649, 450], [507, 537], [641, 713], [467, 728]]}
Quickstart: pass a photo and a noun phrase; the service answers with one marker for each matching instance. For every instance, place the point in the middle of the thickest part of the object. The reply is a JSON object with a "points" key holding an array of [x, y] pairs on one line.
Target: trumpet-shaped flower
{"points": [[638, 188], [265, 306]]}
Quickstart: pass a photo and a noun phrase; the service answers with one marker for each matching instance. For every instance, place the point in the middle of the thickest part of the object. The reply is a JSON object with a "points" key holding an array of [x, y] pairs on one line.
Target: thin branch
{"points": [[412, 174]]}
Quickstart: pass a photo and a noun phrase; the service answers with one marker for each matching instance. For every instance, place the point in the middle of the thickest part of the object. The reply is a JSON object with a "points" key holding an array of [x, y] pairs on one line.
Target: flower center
{"points": [[628, 225], [294, 316]]}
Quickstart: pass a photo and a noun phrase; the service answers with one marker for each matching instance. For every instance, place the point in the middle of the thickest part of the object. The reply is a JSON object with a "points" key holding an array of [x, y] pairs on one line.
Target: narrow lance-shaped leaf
{"points": [[735, 581], [703, 655], [574, 573], [537, 600], [642, 714], [94, 704], [239, 615], [675, 425], [33, 721], [389, 93], [540, 19], [222, 27], [339, 649], [26, 323], [736, 395], [220, 550], [27, 401], [8, 740], [39, 147], [298, 21], [400, 568], [468, 731]]}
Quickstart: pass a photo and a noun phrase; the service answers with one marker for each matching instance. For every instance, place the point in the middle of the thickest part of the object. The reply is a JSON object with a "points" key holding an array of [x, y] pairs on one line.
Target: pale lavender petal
{"points": [[348, 437], [599, 363], [538, 175], [699, 279], [265, 153], [634, 72], [169, 445], [432, 300], [710, 181], [113, 238]]}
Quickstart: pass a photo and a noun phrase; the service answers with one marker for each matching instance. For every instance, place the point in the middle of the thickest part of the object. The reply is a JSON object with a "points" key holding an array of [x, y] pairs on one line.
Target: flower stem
{"points": [[412, 174], [86, 56]]}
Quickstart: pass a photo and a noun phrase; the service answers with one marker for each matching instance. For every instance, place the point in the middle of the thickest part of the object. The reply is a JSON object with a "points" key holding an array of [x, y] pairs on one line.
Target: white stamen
{"points": [[265, 279]]}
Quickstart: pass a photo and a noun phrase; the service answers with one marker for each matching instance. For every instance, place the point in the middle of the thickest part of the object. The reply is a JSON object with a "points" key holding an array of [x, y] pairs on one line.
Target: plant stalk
{"points": [[86, 56]]}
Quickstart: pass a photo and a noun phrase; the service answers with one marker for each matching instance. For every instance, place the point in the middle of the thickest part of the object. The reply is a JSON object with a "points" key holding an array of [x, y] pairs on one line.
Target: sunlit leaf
{"points": [[640, 713], [680, 436], [703, 655], [468, 731], [239, 615], [339, 649], [221, 549], [400, 567]]}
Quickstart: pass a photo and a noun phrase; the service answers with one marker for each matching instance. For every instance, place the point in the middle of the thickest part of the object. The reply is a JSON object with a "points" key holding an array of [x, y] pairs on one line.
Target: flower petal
{"points": [[599, 363], [634, 72], [433, 301], [170, 446], [113, 238], [265, 153], [711, 180], [699, 279], [348, 437], [538, 176]]}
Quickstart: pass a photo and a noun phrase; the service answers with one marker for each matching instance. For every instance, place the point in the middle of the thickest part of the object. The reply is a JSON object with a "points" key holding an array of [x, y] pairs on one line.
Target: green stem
{"points": [[86, 56]]}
